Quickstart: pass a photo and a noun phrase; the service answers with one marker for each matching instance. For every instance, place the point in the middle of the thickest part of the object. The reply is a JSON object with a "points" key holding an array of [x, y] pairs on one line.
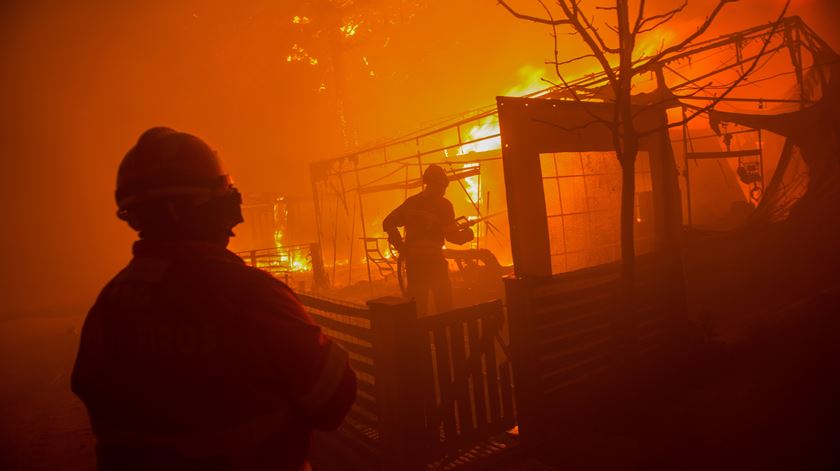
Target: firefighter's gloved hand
{"points": [[396, 242]]}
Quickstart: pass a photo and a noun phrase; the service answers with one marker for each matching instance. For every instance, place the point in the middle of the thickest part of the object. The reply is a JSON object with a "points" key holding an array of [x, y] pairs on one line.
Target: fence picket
{"points": [[461, 371], [507, 392], [446, 409], [477, 347]]}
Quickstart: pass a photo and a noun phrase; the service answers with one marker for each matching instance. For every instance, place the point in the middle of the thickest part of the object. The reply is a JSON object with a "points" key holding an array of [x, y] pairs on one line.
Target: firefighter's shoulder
{"points": [[262, 292]]}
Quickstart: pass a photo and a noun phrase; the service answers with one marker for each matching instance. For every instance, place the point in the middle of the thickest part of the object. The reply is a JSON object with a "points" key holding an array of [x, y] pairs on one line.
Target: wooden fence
{"points": [[579, 349], [297, 265], [467, 387], [359, 439], [434, 392]]}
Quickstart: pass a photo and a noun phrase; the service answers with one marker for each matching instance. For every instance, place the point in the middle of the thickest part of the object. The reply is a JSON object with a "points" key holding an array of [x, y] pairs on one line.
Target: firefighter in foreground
{"points": [[429, 219], [190, 359]]}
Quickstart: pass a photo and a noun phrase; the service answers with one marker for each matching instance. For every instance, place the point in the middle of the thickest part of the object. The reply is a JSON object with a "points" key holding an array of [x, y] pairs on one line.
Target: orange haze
{"points": [[81, 80]]}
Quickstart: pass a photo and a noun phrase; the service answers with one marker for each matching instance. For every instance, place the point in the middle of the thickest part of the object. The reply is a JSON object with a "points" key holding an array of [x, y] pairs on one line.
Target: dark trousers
{"points": [[429, 273]]}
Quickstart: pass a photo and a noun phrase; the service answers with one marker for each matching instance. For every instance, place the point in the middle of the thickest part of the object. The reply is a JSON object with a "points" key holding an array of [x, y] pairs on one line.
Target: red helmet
{"points": [[435, 176], [167, 165]]}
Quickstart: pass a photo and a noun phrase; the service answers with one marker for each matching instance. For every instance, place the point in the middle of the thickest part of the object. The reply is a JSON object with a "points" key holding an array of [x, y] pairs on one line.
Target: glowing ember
{"points": [[298, 54], [349, 29], [367, 64], [300, 20]]}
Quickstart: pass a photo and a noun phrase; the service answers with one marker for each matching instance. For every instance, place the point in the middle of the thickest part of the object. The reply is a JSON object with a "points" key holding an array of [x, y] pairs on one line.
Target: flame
{"points": [[482, 131], [300, 20], [485, 136], [488, 131], [281, 258], [650, 44], [294, 260], [485, 130], [471, 185], [530, 81]]}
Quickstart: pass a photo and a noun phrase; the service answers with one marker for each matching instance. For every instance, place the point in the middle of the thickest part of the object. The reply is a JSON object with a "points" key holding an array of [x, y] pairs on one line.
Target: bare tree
{"points": [[619, 63]]}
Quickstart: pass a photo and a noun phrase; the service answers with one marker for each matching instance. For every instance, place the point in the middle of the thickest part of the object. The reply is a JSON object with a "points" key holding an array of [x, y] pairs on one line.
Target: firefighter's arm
{"points": [[452, 231], [392, 222], [314, 370], [88, 368], [332, 391]]}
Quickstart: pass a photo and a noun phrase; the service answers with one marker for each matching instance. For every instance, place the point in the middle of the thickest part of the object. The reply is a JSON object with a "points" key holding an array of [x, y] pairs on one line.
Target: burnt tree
{"points": [[620, 63]]}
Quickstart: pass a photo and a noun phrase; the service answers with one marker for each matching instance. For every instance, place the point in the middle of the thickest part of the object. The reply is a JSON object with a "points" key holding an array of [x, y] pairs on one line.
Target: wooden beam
{"points": [[723, 155]]}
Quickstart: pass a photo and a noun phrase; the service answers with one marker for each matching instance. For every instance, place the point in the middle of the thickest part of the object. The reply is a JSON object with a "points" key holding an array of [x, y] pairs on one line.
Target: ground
{"points": [[766, 402], [43, 425]]}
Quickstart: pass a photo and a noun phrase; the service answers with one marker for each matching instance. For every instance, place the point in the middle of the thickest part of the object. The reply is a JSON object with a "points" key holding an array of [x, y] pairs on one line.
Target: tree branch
{"points": [[570, 60], [685, 42], [573, 17], [659, 19], [557, 64], [535, 19], [734, 85], [640, 16], [597, 35]]}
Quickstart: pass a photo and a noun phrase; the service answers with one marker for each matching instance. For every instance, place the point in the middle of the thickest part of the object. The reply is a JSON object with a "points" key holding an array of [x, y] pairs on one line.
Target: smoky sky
{"points": [[81, 80]]}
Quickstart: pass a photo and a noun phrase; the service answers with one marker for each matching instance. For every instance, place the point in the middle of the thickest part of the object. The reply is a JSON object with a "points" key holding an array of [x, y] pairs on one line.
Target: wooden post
{"points": [[364, 230], [529, 239], [321, 281], [525, 363], [317, 202], [399, 384]]}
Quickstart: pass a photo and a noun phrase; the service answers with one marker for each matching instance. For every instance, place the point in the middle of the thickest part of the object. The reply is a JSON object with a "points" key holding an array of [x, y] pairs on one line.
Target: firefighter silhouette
{"points": [[189, 359], [429, 220]]}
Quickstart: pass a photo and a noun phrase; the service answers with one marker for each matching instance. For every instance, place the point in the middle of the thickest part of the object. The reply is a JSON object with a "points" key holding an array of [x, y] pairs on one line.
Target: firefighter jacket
{"points": [[191, 359], [429, 219]]}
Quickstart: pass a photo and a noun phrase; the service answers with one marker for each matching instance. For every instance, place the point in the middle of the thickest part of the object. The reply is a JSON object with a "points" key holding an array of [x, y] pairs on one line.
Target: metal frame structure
{"points": [[436, 144]]}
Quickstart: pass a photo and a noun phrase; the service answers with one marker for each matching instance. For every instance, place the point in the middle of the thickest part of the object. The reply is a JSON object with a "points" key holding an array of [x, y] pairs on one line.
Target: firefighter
{"points": [[189, 359], [429, 219]]}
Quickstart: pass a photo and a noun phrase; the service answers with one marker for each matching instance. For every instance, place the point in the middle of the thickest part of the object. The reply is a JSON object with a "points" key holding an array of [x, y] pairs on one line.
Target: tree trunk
{"points": [[628, 220], [628, 142]]}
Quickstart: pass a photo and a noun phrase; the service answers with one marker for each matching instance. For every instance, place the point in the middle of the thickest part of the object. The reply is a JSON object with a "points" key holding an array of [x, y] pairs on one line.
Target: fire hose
{"points": [[461, 222]]}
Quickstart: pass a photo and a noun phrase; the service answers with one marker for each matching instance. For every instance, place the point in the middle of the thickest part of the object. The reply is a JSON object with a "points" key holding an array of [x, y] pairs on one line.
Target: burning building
{"points": [[721, 172], [735, 214]]}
